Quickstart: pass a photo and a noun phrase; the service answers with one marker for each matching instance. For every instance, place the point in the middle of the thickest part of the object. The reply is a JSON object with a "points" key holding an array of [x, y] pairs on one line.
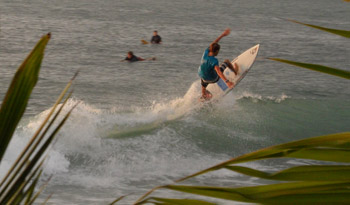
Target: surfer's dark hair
{"points": [[130, 53], [214, 47]]}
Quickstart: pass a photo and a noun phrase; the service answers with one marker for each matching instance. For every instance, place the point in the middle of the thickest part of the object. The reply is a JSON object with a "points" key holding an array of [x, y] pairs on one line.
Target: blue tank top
{"points": [[207, 68]]}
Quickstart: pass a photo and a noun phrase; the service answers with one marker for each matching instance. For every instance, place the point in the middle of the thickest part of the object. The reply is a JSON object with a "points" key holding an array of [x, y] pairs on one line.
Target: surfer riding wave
{"points": [[209, 70]]}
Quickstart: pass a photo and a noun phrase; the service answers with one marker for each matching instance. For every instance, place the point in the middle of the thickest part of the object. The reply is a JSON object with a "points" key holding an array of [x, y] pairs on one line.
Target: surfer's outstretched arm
{"points": [[225, 33]]}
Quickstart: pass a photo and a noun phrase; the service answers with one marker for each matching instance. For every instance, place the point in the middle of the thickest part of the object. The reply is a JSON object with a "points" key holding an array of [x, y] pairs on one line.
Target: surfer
{"points": [[132, 58], [209, 70], [156, 39]]}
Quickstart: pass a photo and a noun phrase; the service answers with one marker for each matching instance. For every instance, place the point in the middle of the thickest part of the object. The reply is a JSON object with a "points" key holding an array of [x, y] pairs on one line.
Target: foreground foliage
{"points": [[343, 33], [19, 183], [311, 183], [320, 68]]}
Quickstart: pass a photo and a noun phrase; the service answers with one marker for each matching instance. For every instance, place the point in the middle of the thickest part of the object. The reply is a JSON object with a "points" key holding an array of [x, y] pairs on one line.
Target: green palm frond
{"points": [[18, 184], [164, 201], [17, 96], [284, 193], [334, 147], [320, 68], [300, 173], [23, 168], [330, 181], [343, 33]]}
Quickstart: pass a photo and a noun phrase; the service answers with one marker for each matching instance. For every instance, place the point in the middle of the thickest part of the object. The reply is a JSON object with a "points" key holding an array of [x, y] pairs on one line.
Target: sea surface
{"points": [[136, 125]]}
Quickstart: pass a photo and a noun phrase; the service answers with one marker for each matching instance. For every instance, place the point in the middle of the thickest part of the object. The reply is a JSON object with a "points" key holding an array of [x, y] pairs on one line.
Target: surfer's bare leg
{"points": [[205, 93], [234, 67], [228, 63]]}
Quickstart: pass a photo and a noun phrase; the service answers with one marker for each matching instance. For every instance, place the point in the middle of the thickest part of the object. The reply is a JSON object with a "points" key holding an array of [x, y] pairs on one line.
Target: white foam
{"points": [[77, 135], [81, 133], [82, 157], [257, 97], [179, 106]]}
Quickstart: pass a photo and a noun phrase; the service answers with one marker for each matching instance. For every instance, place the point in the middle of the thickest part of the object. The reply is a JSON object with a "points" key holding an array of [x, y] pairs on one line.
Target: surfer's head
{"points": [[130, 54], [214, 48]]}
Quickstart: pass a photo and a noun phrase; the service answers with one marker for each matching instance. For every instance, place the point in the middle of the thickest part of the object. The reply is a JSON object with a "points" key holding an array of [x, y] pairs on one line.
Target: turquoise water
{"points": [[136, 127]]}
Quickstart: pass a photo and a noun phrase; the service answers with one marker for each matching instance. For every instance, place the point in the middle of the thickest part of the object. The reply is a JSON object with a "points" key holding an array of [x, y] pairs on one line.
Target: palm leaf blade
{"points": [[320, 68], [17, 96], [300, 173], [165, 201], [275, 193], [23, 165], [216, 192], [343, 33], [323, 154], [291, 149]]}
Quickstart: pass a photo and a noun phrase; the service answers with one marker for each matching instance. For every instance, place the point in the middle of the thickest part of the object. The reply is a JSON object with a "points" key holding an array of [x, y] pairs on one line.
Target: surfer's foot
{"points": [[206, 95], [234, 67]]}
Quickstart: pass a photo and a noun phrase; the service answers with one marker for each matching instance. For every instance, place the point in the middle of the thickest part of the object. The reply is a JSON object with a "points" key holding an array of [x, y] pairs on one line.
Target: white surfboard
{"points": [[245, 62]]}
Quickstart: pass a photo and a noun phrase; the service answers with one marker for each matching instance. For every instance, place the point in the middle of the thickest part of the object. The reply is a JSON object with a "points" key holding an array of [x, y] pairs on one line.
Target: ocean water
{"points": [[136, 126]]}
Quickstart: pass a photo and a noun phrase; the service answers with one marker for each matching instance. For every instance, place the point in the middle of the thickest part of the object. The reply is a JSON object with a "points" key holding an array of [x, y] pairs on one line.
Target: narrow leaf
{"points": [[320, 68], [343, 33], [16, 170], [39, 192], [17, 96], [276, 193], [21, 174], [31, 146], [327, 147], [118, 199], [30, 191], [282, 189], [166, 201], [216, 192], [16, 191], [291, 149], [300, 173], [47, 199], [39, 154], [317, 198], [322, 154]]}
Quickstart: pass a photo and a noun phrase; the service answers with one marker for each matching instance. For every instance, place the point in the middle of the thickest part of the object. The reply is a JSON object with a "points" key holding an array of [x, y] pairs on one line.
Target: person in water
{"points": [[209, 70], [156, 39], [132, 58]]}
